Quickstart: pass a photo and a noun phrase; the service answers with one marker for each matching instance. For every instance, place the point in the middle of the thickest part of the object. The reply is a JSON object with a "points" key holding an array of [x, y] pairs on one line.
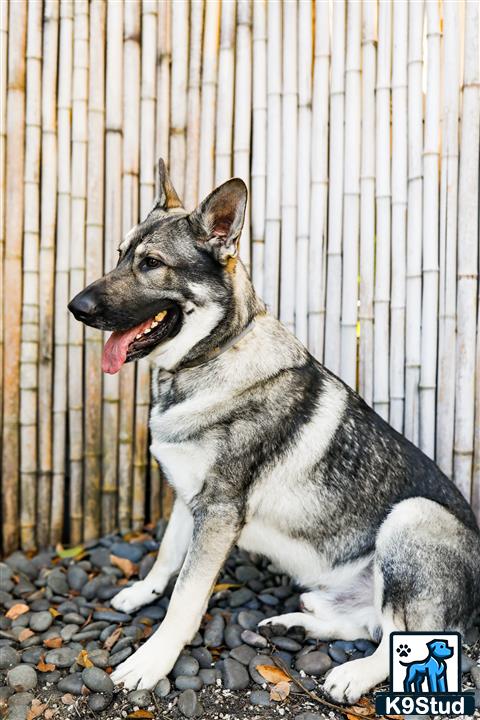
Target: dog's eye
{"points": [[151, 262]]}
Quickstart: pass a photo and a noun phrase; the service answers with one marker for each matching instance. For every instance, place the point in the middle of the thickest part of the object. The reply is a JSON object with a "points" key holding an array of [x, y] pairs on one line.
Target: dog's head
{"points": [[440, 649], [174, 277]]}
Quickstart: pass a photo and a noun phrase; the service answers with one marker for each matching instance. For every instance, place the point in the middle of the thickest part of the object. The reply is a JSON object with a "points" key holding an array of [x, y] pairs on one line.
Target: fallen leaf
{"points": [[362, 707], [42, 666], [126, 566], [141, 714], [112, 639], [280, 691], [36, 709], [25, 634], [147, 631], [220, 587], [53, 612], [49, 714], [83, 659], [54, 642], [68, 699], [272, 674], [69, 552], [17, 610]]}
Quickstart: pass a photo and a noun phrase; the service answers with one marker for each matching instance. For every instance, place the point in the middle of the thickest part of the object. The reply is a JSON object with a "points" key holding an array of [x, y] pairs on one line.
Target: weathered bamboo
{"points": [[382, 200], [243, 113], [60, 368], [467, 425], [179, 81], [259, 141], [164, 55], [206, 150], [414, 220], [335, 197], [31, 239], [351, 195], [3, 146], [12, 309], [305, 45], [399, 214], [113, 235], [428, 369], [193, 104], [94, 268], [289, 165], [367, 203], [77, 264], [226, 86]]}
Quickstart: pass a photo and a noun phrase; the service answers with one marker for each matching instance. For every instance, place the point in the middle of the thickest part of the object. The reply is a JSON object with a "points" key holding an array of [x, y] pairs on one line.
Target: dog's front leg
{"points": [[216, 528]]}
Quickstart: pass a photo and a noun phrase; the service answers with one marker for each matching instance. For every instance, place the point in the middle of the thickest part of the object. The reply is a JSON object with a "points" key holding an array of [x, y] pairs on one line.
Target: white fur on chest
{"points": [[185, 464]]}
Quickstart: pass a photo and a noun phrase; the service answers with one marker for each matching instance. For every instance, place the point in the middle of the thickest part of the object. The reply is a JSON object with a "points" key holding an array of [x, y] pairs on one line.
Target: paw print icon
{"points": [[403, 650]]}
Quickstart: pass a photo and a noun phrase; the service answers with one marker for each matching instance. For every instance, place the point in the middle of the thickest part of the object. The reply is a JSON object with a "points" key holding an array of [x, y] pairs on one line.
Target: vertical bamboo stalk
{"points": [[305, 46], [259, 141], [467, 366], [206, 149], [243, 113], [414, 220], [12, 310], [77, 264], [448, 240], [226, 86], [383, 196], [60, 369], [335, 195], [179, 80], [164, 55], [289, 165], [317, 269], [428, 370], [31, 238], [131, 133], [94, 268], [367, 202], [193, 103], [113, 234], [351, 196], [399, 214], [3, 147]]}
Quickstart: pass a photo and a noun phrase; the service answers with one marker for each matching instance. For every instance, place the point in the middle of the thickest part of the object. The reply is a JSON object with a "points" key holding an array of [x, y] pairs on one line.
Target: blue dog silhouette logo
{"points": [[432, 669]]}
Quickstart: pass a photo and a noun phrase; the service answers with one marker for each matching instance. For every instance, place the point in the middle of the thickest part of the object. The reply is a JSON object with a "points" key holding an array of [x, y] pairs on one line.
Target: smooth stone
{"points": [[187, 682], [477, 699], [243, 654], [364, 645], [130, 551], [467, 664], [100, 557], [268, 599], [145, 566], [57, 582], [22, 678], [338, 654], [315, 663], [196, 641], [208, 675], [62, 657], [188, 704], [141, 698], [162, 688], [67, 632], [5, 693], [185, 665], [20, 699], [123, 643], [99, 701], [286, 643], [108, 631], [86, 635], [260, 697], [73, 618], [309, 716], [107, 592], [76, 577], [213, 634], [18, 713], [8, 657], [111, 616], [235, 675], [233, 635], [475, 672], [20, 563], [153, 612], [71, 684], [31, 656], [100, 658], [249, 619], [202, 656], [346, 645], [244, 573], [240, 597], [52, 677], [252, 667], [254, 639], [120, 656], [97, 680]]}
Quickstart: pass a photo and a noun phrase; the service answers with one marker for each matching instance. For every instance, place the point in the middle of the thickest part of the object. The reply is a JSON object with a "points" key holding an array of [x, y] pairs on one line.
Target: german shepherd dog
{"points": [[267, 449]]}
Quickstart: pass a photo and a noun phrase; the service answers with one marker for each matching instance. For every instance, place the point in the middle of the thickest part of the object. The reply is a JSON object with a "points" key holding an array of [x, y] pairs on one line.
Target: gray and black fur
{"points": [[268, 449]]}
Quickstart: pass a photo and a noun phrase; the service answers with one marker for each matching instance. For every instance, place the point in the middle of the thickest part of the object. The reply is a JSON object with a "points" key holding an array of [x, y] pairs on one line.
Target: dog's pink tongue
{"points": [[116, 347]]}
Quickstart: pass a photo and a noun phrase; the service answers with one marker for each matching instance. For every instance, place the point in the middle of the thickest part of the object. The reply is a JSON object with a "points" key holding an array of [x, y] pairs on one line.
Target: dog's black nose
{"points": [[83, 306]]}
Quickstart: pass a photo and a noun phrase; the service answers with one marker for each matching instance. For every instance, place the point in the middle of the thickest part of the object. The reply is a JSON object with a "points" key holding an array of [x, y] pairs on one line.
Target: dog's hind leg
{"points": [[169, 560]]}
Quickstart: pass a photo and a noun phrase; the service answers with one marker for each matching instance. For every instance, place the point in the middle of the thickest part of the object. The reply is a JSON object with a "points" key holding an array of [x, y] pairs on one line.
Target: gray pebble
{"points": [[140, 698], [154, 612], [145, 566], [249, 619], [57, 582], [71, 684], [475, 671], [20, 699], [18, 713], [67, 632], [477, 699], [286, 643], [252, 667], [188, 682], [213, 635], [243, 654], [76, 577], [202, 656], [120, 656], [130, 551], [233, 635], [185, 665], [364, 645], [99, 557], [97, 680], [309, 716], [244, 573], [240, 597], [22, 678], [32, 655], [260, 697], [108, 631], [162, 688], [208, 676], [111, 616], [19, 562], [268, 599], [73, 618], [99, 701], [62, 657], [5, 693], [100, 658], [467, 663], [8, 657], [52, 677], [338, 654], [254, 639], [315, 663], [123, 643], [188, 704], [235, 675]]}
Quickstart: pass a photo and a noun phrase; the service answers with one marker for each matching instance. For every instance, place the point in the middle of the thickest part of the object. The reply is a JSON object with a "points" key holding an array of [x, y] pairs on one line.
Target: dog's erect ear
{"points": [[166, 199], [218, 220]]}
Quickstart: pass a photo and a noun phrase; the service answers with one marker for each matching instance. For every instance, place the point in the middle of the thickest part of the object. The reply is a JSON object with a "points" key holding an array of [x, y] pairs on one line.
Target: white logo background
{"points": [[417, 642]]}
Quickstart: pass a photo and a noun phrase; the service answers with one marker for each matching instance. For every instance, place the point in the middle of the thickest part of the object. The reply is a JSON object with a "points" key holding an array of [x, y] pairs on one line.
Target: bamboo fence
{"points": [[356, 128]]}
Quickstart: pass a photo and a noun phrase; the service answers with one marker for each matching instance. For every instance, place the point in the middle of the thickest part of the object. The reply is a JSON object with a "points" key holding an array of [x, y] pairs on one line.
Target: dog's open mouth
{"points": [[126, 345]]}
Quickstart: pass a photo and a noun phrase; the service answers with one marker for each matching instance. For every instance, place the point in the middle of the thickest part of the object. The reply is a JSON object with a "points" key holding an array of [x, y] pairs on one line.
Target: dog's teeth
{"points": [[154, 324], [146, 331], [160, 315], [137, 337]]}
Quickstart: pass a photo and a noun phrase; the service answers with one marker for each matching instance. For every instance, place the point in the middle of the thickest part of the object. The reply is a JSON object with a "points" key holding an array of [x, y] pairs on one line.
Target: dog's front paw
{"points": [[134, 597], [143, 669], [348, 682]]}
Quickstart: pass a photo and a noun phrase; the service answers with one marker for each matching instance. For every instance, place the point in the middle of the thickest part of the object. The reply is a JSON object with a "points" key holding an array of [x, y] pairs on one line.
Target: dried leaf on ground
{"points": [[272, 674], [16, 610], [225, 586], [72, 552], [112, 639], [25, 634], [362, 707], [280, 691], [68, 699], [53, 612], [141, 714], [37, 708], [126, 566], [83, 659], [54, 642], [49, 714], [42, 666]]}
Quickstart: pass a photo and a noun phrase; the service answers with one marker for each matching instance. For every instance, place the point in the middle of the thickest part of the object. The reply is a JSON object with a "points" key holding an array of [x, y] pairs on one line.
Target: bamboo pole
{"points": [[289, 165], [3, 147], [467, 366], [179, 81], [317, 266], [226, 86], [113, 234], [206, 149], [193, 104], [243, 114], [259, 142], [399, 214], [335, 196], [351, 196], [77, 264], [131, 129], [164, 55], [60, 368], [94, 268], [428, 369], [31, 239], [383, 197], [414, 220], [305, 52], [367, 202], [12, 310]]}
